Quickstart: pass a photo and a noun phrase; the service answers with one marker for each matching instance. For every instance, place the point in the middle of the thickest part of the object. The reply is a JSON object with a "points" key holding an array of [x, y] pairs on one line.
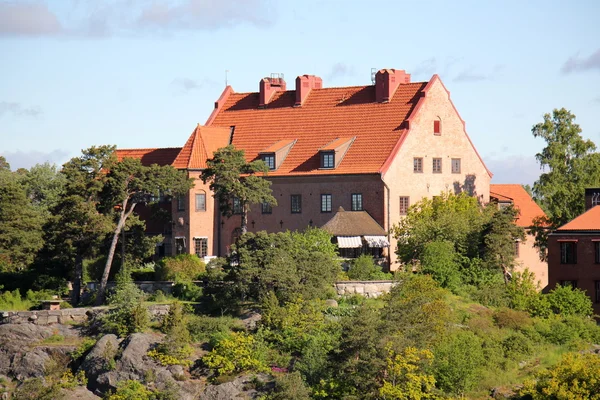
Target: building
{"points": [[527, 256], [574, 251], [377, 149]]}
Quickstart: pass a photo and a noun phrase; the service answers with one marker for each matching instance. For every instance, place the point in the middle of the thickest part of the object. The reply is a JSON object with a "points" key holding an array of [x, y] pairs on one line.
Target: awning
{"points": [[377, 241], [349, 242]]}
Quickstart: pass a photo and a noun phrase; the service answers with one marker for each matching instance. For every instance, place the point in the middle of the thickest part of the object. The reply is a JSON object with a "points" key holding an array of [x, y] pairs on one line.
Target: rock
{"points": [[331, 303], [78, 393], [22, 354], [250, 320], [241, 387]]}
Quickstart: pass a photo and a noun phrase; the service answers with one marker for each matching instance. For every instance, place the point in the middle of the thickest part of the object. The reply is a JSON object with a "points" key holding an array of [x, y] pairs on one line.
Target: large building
{"points": [[527, 255], [376, 149], [574, 251]]}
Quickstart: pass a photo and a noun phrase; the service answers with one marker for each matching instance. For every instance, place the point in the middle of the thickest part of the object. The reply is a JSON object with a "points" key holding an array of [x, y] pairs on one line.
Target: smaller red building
{"points": [[574, 251]]}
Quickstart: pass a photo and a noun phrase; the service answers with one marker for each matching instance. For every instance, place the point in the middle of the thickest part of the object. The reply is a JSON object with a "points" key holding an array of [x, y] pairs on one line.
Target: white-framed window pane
{"points": [[270, 161], [357, 204], [404, 204], [418, 164], [266, 208], [296, 200], [200, 201], [201, 247], [456, 165], [328, 160], [237, 205], [325, 203], [437, 165]]}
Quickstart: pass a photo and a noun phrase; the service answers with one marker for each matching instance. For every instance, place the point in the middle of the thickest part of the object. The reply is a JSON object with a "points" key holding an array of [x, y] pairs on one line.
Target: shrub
{"points": [[439, 259], [187, 267], [12, 301], [131, 390], [175, 348], [145, 273], [512, 319], [405, 378], [237, 353], [457, 363], [83, 348], [290, 387], [565, 300], [516, 346], [127, 314], [186, 289], [574, 377], [362, 268], [202, 327]]}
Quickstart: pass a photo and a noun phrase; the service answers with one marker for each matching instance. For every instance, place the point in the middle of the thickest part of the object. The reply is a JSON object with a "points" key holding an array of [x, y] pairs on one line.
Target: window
{"points": [[456, 165], [437, 165], [437, 127], [266, 208], [269, 159], [325, 203], [418, 164], [180, 245], [296, 203], [237, 205], [357, 204], [597, 251], [180, 202], [201, 247], [404, 203], [200, 201], [568, 253], [517, 248], [327, 159], [597, 287], [572, 284]]}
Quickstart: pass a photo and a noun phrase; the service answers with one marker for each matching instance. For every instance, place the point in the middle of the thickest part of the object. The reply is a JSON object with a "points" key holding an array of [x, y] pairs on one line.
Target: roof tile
{"points": [[588, 221], [515, 193], [164, 156]]}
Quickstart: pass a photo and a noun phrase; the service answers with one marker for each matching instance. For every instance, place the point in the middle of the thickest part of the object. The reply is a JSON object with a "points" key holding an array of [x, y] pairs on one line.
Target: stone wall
{"points": [[363, 288], [67, 316]]}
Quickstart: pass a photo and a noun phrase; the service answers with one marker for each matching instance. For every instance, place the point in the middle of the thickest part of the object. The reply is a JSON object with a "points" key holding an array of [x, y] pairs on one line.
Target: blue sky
{"points": [[143, 73]]}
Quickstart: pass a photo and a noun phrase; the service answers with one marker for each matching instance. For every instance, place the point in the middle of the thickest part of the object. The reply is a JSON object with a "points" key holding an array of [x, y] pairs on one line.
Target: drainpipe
{"points": [[387, 189]]}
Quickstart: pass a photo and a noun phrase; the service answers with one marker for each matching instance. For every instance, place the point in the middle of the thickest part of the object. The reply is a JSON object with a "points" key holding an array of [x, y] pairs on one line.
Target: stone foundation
{"points": [[364, 288]]}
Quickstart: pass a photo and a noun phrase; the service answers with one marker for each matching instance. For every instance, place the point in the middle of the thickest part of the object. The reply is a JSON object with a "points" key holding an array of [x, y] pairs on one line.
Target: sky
{"points": [[143, 73]]}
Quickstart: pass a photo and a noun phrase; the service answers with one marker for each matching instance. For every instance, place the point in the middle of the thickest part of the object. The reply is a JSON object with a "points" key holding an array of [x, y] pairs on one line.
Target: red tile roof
{"points": [[588, 221], [528, 208], [200, 146], [164, 156], [326, 115], [278, 146]]}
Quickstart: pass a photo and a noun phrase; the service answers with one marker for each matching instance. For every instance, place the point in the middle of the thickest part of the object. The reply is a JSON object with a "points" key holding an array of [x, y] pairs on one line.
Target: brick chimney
{"points": [[387, 81], [304, 84], [268, 86]]}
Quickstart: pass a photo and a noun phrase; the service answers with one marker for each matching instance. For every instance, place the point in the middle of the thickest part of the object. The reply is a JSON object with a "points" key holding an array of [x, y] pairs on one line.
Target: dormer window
{"points": [[269, 159], [275, 154], [327, 159], [332, 153]]}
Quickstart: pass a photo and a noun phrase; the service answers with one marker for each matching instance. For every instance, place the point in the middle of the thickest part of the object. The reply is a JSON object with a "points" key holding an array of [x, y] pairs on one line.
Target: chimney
{"points": [[387, 81], [304, 84], [592, 198], [268, 86]]}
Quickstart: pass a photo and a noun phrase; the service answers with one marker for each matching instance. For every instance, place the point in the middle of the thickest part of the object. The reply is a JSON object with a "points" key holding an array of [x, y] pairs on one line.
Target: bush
{"points": [[187, 267], [12, 301], [127, 314], [565, 300], [516, 346], [512, 319], [574, 377], [290, 387], [362, 268], [145, 273], [131, 390], [439, 259], [185, 289], [202, 327], [237, 353]]}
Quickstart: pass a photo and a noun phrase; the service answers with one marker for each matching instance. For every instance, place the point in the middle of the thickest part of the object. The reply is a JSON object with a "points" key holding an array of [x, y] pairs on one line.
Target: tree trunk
{"points": [[111, 252], [78, 280]]}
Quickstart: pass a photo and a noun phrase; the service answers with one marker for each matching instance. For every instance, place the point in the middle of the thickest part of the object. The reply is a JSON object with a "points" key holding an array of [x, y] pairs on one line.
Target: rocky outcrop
{"points": [[241, 387], [23, 353]]}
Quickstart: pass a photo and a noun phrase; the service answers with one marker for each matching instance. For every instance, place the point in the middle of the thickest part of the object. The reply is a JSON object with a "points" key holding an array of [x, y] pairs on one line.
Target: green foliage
{"points": [[44, 186], [523, 293], [439, 259], [187, 267], [517, 346], [511, 319], [202, 327], [565, 300], [457, 363], [187, 290], [290, 264], [574, 377], [364, 269], [127, 314], [236, 353], [12, 301], [175, 348], [20, 225], [404, 376], [290, 387], [132, 390], [81, 350], [230, 175]]}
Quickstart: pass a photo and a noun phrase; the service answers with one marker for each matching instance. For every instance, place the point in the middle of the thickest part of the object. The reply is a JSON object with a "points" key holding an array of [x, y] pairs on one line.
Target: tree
{"points": [[233, 179], [571, 164], [405, 378], [498, 239], [45, 186], [127, 184], [20, 224]]}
